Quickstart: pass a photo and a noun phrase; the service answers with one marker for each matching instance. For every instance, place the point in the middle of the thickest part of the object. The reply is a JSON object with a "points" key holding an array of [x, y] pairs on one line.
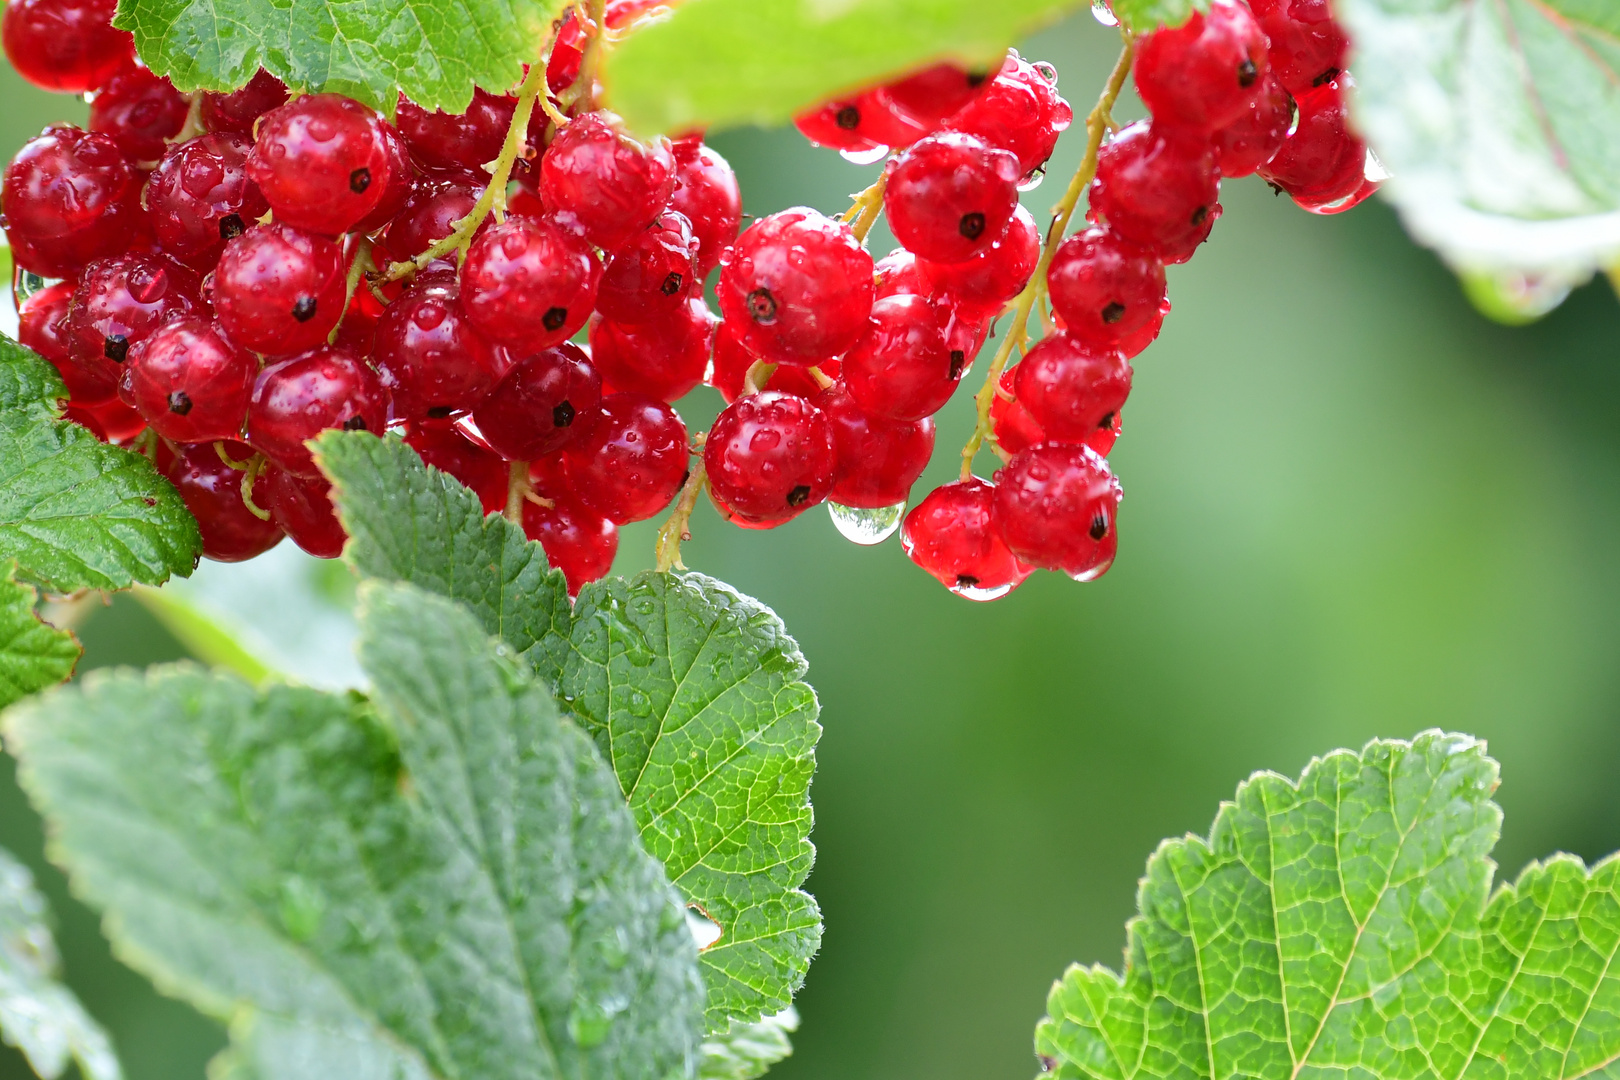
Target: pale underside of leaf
{"points": [[32, 654], [746, 1051]]}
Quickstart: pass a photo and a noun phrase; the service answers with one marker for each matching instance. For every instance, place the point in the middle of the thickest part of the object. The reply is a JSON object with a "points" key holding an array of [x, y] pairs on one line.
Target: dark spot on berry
{"points": [[762, 306], [1099, 526], [359, 180], [439, 412], [355, 423], [848, 118], [554, 317], [1113, 312], [958, 362], [1326, 77], [1200, 216], [1106, 422], [971, 225], [976, 78], [563, 414], [304, 308], [672, 283], [115, 347], [230, 227], [799, 495], [1247, 72], [1276, 189], [966, 581], [179, 403]]}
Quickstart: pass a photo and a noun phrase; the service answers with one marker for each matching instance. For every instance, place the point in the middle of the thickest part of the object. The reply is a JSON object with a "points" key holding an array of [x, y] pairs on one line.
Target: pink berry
{"points": [[1247, 143], [1203, 74], [529, 284], [429, 215], [42, 325], [301, 506], [191, 384], [1307, 46], [1019, 110], [1322, 161], [632, 460], [1103, 288], [542, 404], [769, 458], [212, 491], [706, 192], [1072, 390], [65, 45], [467, 140], [902, 368], [611, 184], [652, 277], [200, 197], [933, 94], [322, 162], [122, 301], [858, 125], [952, 535], [877, 459], [296, 399], [235, 113], [449, 451], [663, 359], [1158, 189], [69, 197], [1056, 505], [279, 290], [950, 196], [578, 541], [797, 287], [991, 276], [429, 356], [732, 362]]}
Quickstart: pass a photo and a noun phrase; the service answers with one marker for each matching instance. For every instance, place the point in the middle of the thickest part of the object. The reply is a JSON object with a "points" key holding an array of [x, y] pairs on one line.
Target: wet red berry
{"points": [[401, 182], [301, 506], [212, 491], [1013, 427], [429, 215], [69, 197], [1307, 46], [1072, 390], [933, 94], [200, 197], [237, 111], [632, 460], [664, 359], [1157, 189], [578, 541], [322, 162], [190, 383], [652, 277], [732, 362], [119, 302], [994, 274], [952, 535], [1056, 506], [1103, 288], [65, 45], [430, 357], [42, 325], [448, 450], [897, 272], [141, 111], [902, 368], [1019, 110], [877, 459], [706, 192], [296, 399], [279, 290], [529, 284], [1322, 161], [951, 196], [859, 125], [769, 457], [1247, 143], [467, 140], [610, 183], [542, 404], [1203, 74]]}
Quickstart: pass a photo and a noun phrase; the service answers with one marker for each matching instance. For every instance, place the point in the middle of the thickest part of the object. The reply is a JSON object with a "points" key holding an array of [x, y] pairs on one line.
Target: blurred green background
{"points": [[1354, 508]]}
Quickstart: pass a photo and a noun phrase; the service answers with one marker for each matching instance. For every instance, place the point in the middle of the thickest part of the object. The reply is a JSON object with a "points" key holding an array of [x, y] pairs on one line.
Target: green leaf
{"points": [[433, 50], [1340, 927], [76, 513], [443, 884], [38, 1015], [747, 1051], [1500, 123], [33, 655], [694, 693], [722, 63]]}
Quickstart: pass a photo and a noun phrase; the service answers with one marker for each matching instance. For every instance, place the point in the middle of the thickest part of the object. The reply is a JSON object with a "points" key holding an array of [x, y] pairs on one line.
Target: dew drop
{"points": [[863, 526], [864, 157], [639, 704], [1103, 13], [976, 592], [1032, 179]]}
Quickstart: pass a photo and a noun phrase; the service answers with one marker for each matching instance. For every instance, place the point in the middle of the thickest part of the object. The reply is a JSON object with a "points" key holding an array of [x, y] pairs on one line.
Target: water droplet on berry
{"points": [[1374, 170], [1103, 13], [969, 589], [1032, 179], [867, 527], [864, 157]]}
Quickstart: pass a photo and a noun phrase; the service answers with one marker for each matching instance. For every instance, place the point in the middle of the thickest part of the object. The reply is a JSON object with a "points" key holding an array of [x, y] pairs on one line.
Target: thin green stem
{"points": [[867, 207], [517, 490], [595, 20], [255, 466], [678, 527], [360, 266]]}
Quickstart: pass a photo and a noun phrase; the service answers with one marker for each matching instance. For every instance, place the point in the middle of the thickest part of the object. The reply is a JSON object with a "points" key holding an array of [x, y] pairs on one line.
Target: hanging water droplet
{"points": [[1103, 13], [25, 283], [866, 526], [1373, 169], [974, 592], [1032, 179], [1513, 298], [864, 157]]}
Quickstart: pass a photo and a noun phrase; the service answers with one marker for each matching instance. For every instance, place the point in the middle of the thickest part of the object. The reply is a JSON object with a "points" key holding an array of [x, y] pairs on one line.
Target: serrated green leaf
{"points": [[445, 884], [32, 654], [38, 1015], [694, 694], [721, 63], [433, 50], [76, 513], [1500, 123], [747, 1051]]}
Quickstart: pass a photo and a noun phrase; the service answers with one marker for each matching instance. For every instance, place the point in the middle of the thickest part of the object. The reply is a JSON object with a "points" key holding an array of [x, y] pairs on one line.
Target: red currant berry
{"points": [[706, 192], [467, 140], [542, 404], [662, 360], [797, 287], [302, 508], [896, 273], [401, 182], [212, 491], [429, 215], [951, 196], [42, 325], [1057, 506], [68, 197], [1013, 427], [111, 421], [279, 290], [1322, 161], [769, 458], [120, 302], [993, 275], [952, 535], [236, 112], [449, 451], [569, 48], [529, 284], [732, 363], [1103, 288], [191, 384], [608, 182], [932, 95], [859, 125], [631, 461], [579, 542], [1157, 189], [200, 197], [1307, 46], [65, 45], [652, 277], [141, 111], [322, 161], [1019, 110], [1254, 138], [300, 397], [902, 368], [877, 459], [1071, 389], [430, 357], [1203, 74]]}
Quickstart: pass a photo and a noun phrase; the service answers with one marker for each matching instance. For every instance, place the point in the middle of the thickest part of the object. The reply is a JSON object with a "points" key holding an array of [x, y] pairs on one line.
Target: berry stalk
{"points": [[677, 528], [867, 206], [1098, 122]]}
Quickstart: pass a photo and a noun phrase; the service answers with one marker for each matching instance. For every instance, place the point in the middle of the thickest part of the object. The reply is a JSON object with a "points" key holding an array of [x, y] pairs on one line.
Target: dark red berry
{"points": [[897, 272], [429, 215], [189, 383], [902, 367], [1013, 427], [1072, 390], [933, 95], [1203, 74], [237, 111], [611, 184], [864, 124], [212, 491], [322, 161], [1104, 289], [952, 535], [448, 450], [1019, 110], [65, 45], [1157, 189], [1307, 46], [42, 325], [951, 196], [578, 541], [797, 287], [1322, 161], [200, 197], [467, 140], [706, 192], [732, 363], [877, 459], [1056, 505], [664, 359], [631, 461], [111, 421], [401, 181], [542, 404], [296, 399], [769, 457], [279, 290], [301, 506], [1247, 143], [69, 197], [993, 275], [429, 355], [141, 111], [529, 284], [651, 278]]}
